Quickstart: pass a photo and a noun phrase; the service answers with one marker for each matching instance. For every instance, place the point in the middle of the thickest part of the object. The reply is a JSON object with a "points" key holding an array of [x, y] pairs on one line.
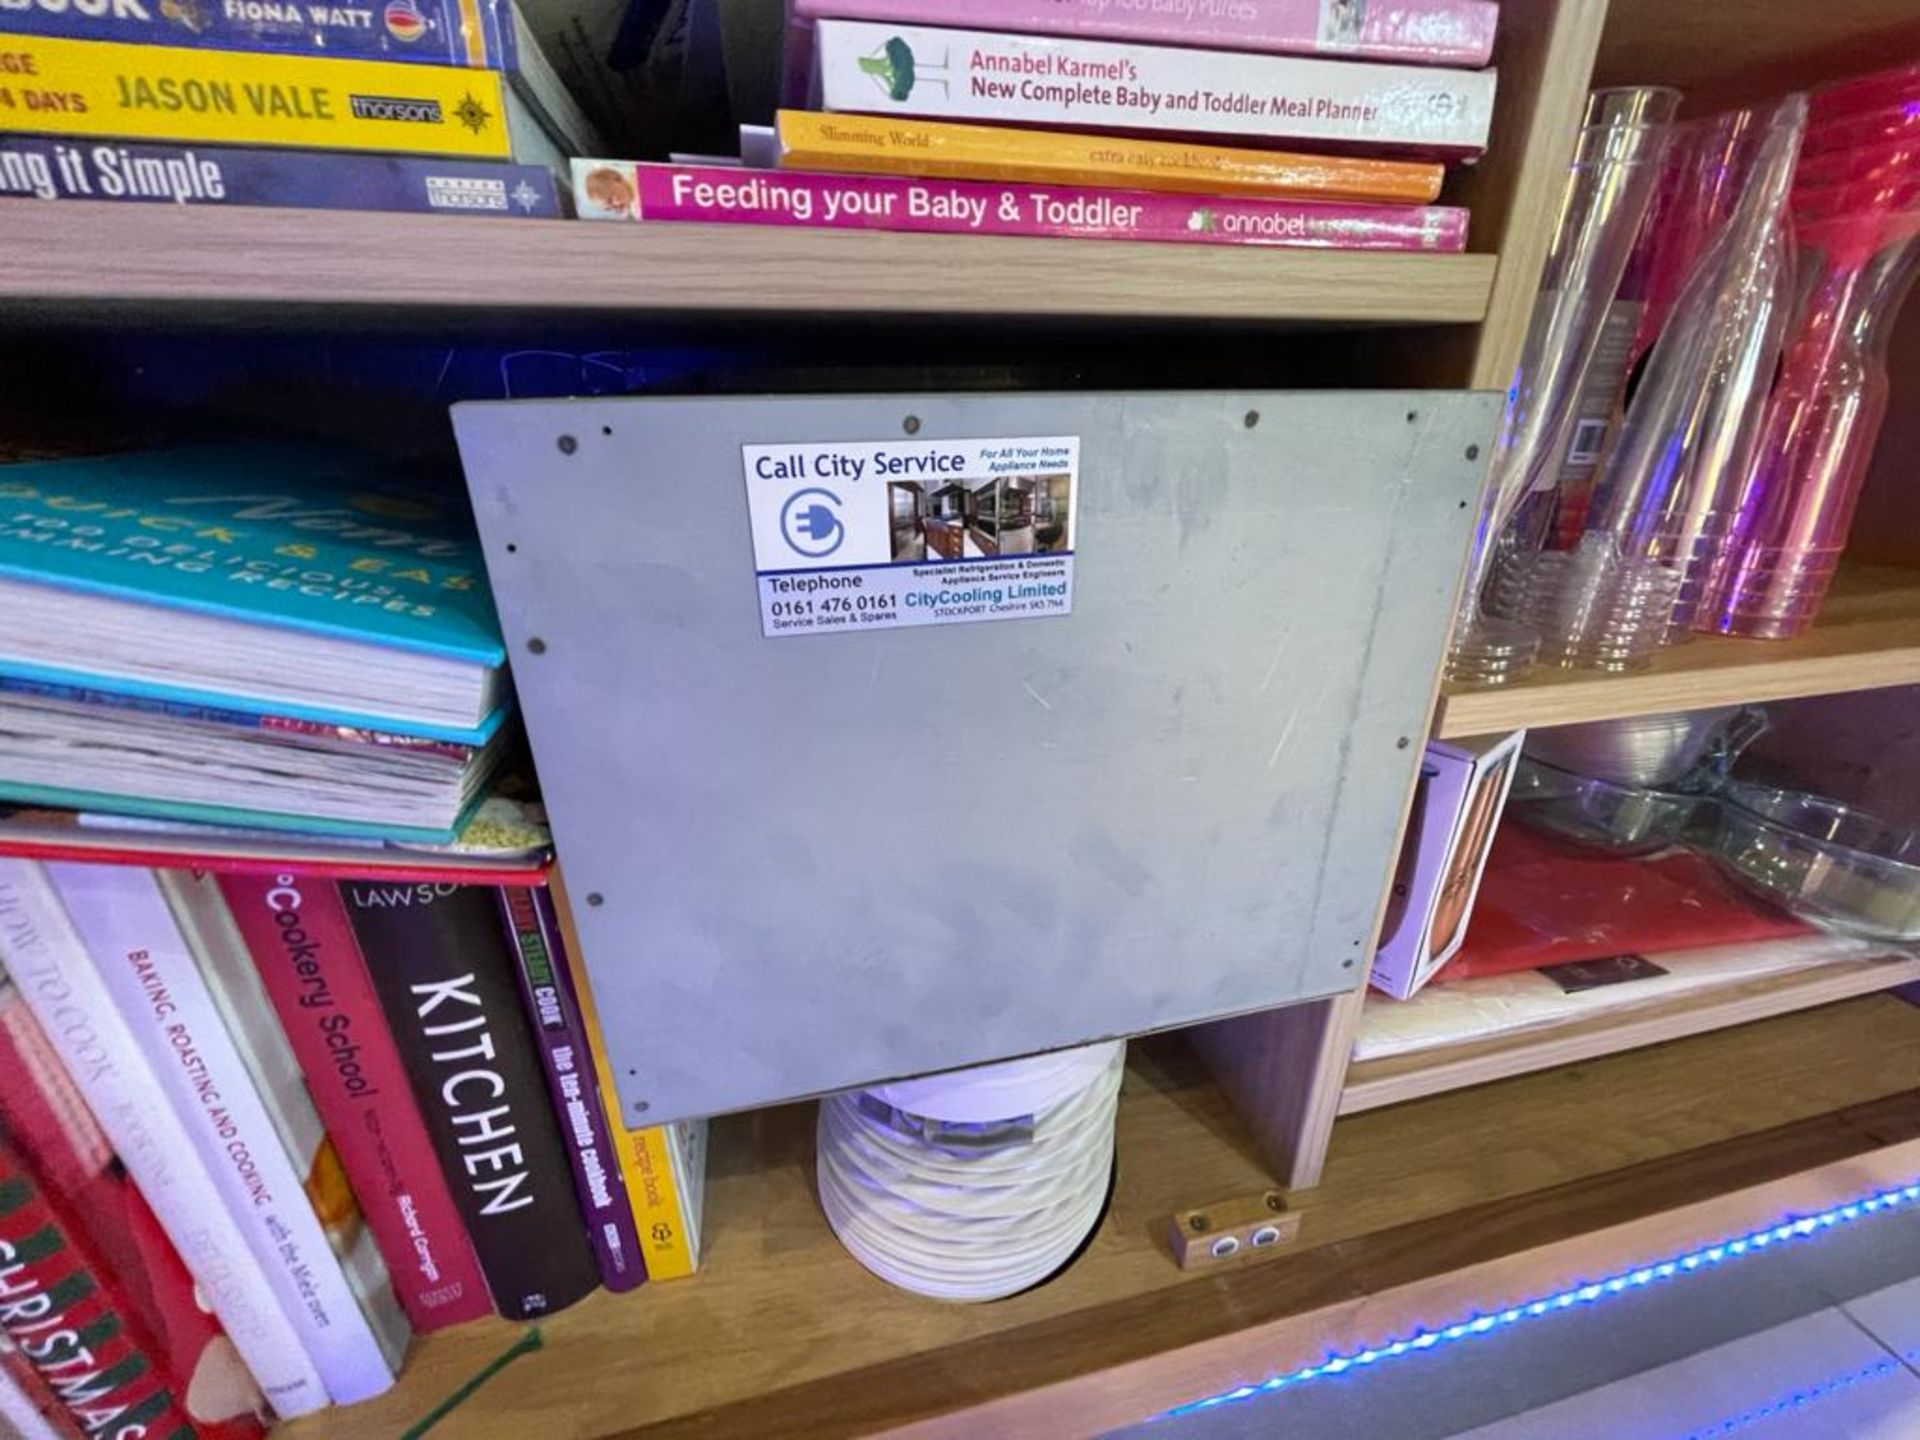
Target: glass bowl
{"points": [[1839, 868], [1625, 819]]}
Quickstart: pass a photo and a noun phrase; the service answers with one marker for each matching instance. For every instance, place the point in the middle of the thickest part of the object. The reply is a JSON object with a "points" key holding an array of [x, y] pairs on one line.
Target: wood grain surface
{"points": [[1867, 636], [80, 255], [783, 1334], [1392, 1079]]}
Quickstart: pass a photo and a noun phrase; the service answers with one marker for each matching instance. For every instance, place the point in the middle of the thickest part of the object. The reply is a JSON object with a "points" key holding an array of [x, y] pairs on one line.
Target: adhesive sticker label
{"points": [[869, 534]]}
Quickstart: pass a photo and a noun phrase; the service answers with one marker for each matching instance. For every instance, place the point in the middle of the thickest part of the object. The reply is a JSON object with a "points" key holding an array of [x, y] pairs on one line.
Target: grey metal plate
{"points": [[833, 859]]}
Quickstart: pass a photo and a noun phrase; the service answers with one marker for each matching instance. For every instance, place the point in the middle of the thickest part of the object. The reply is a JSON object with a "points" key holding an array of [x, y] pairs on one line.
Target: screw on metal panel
{"points": [[1196, 1223], [1346, 964], [568, 444], [1473, 452], [594, 897], [1402, 743], [1461, 506], [606, 429], [1252, 419], [911, 424], [536, 646], [1412, 415], [512, 549], [640, 1107]]}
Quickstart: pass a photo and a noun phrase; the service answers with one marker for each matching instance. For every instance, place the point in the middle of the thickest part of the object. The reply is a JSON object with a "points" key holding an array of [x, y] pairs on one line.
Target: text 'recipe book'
{"points": [[439, 960], [527, 913], [1102, 85], [297, 933], [62, 1143], [939, 149], [710, 195], [279, 579], [50, 966], [1443, 32], [123, 918], [66, 1313]]}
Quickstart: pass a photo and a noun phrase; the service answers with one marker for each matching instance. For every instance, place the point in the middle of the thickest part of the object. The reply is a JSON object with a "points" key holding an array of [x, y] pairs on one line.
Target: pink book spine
{"points": [[311, 965], [1437, 32], [620, 190]]}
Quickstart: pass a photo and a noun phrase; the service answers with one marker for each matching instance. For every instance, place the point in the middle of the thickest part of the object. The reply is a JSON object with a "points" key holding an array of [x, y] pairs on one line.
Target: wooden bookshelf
{"points": [[1397, 1078], [81, 258], [783, 1334], [1867, 636]]}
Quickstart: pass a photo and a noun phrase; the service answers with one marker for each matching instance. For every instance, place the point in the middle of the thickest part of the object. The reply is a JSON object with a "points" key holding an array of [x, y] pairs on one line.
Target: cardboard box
{"points": [[1463, 788]]}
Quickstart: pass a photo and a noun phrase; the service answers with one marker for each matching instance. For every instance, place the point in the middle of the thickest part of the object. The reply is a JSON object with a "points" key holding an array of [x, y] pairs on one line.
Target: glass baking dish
{"points": [[1837, 867], [1625, 819]]}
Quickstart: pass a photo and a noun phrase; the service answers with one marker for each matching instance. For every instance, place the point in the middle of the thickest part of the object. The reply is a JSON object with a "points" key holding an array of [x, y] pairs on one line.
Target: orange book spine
{"points": [[856, 144]]}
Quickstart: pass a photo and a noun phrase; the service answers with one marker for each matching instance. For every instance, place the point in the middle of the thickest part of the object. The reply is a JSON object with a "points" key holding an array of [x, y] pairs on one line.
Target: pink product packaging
{"points": [[1420, 32], [620, 190], [1462, 790], [988, 78]]}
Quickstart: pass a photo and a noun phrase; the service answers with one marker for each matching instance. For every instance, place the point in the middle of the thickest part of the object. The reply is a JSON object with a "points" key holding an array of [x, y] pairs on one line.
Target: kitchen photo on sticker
{"points": [[1013, 515]]}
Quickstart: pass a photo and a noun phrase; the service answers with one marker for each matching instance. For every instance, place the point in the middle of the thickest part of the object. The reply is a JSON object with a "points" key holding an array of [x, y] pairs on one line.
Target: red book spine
{"points": [[312, 966], [67, 1316], [57, 1136]]}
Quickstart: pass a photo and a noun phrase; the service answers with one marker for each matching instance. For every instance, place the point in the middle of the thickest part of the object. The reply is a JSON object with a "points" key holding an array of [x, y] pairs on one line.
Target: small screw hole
{"points": [[512, 549], [595, 898], [640, 1107], [1473, 452], [911, 424], [606, 429], [1197, 1223], [536, 646], [568, 444], [1226, 1245], [1266, 1235], [1402, 743], [1412, 415], [1252, 419]]}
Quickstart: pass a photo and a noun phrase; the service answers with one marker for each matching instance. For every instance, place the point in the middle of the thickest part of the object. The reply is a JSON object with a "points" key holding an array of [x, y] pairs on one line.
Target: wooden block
{"points": [[1225, 1231]]}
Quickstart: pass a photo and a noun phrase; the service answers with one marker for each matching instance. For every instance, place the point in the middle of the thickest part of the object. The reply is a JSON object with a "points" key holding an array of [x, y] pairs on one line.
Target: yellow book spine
{"points": [[936, 149], [157, 92], [646, 1165]]}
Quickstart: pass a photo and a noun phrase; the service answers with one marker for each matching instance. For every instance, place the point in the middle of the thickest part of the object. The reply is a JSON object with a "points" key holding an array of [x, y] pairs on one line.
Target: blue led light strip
{"points": [[1795, 1400], [1587, 1293]]}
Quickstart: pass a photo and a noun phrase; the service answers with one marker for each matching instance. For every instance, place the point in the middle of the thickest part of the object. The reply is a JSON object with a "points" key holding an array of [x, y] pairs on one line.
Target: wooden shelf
{"points": [[76, 256], [1397, 1078], [1868, 636], [783, 1334]]}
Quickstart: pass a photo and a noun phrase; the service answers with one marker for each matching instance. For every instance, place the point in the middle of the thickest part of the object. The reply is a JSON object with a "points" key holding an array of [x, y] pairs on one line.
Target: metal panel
{"points": [[820, 861]]}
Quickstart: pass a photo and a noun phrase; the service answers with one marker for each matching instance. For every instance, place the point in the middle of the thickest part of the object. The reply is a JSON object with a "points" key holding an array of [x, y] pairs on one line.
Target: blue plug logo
{"points": [[808, 526]]}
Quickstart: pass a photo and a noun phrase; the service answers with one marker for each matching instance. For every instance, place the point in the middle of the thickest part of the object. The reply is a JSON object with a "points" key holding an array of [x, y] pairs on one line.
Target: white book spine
{"points": [[998, 79], [226, 965], [20, 1418], [50, 967], [150, 972]]}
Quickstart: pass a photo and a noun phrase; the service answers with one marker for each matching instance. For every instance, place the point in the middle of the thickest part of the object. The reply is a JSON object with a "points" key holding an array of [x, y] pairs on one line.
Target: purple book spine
{"points": [[620, 190], [540, 964]]}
